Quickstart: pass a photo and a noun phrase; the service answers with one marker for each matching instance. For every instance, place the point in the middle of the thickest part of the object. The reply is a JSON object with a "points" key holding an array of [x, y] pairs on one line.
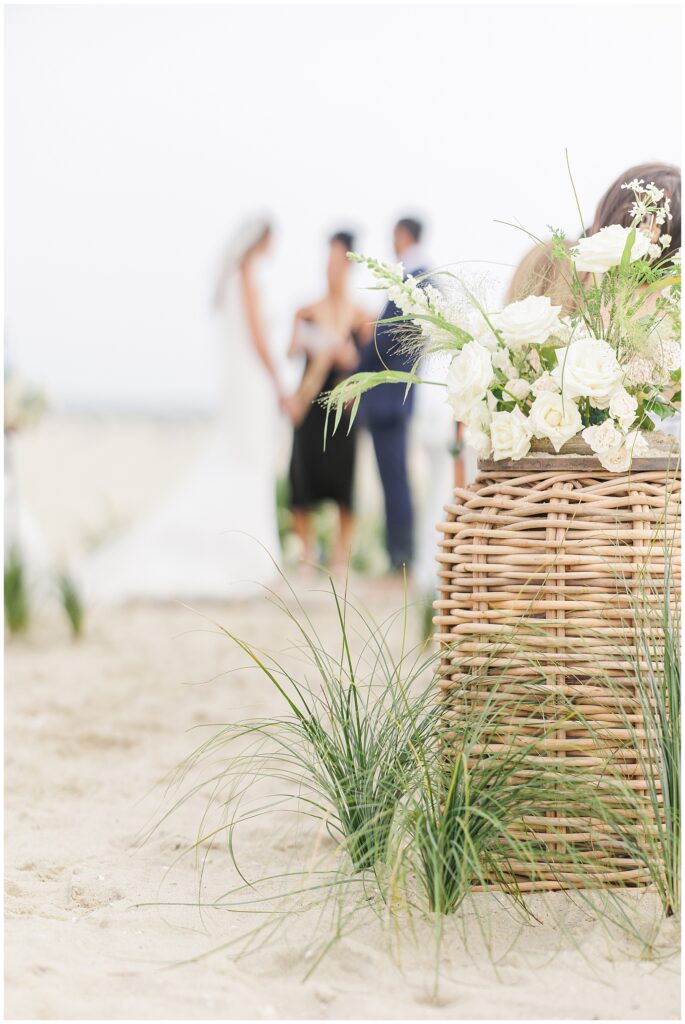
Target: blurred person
{"points": [[385, 410], [214, 535], [328, 332], [615, 205], [615, 208], [539, 273], [434, 434]]}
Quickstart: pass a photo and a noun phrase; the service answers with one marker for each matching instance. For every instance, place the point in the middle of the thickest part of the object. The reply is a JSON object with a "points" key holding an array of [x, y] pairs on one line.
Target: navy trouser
{"points": [[390, 444]]}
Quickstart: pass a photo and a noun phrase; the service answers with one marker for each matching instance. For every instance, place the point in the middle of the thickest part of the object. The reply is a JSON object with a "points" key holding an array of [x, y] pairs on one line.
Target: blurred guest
{"points": [[434, 435], [328, 333], [615, 208], [386, 411], [215, 534], [539, 273], [615, 205]]}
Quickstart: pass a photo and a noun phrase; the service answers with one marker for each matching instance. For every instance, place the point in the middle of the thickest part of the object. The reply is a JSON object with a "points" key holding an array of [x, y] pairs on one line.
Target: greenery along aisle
{"points": [[574, 513], [551, 756]]}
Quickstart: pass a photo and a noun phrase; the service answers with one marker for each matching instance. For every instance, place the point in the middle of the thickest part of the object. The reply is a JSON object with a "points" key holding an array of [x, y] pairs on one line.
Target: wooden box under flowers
{"points": [[538, 562]]}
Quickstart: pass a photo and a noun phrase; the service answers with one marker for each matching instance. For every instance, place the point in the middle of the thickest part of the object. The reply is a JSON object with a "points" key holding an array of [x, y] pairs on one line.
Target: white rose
{"points": [[602, 436], [501, 360], [477, 434], [636, 443], [588, 368], [565, 332], [468, 378], [623, 407], [479, 416], [479, 441], [517, 388], [510, 434], [481, 330], [554, 417], [528, 322], [616, 460], [602, 251], [544, 383]]}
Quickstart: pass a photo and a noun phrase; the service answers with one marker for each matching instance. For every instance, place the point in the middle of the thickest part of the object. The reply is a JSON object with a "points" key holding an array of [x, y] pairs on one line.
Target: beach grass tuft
{"points": [[72, 603], [17, 605]]}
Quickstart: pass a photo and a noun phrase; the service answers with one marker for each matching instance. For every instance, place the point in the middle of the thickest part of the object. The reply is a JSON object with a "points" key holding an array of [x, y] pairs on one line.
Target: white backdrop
{"points": [[137, 136]]}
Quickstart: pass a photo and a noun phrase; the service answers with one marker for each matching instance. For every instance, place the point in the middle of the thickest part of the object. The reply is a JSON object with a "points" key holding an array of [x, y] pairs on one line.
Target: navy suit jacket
{"points": [[386, 403]]}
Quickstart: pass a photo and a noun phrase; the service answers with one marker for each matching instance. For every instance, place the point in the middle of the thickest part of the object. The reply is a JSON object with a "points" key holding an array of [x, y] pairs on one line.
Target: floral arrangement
{"points": [[526, 372]]}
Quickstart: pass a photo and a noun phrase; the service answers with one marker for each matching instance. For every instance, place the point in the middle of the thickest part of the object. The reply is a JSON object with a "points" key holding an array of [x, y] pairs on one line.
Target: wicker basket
{"points": [[543, 548]]}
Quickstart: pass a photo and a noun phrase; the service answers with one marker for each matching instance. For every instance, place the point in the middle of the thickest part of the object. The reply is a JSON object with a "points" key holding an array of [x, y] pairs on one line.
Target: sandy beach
{"points": [[102, 926], [277, 295], [92, 728]]}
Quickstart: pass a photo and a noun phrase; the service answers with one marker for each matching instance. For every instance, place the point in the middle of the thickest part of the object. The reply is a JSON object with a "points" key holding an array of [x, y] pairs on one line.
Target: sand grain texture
{"points": [[91, 728]]}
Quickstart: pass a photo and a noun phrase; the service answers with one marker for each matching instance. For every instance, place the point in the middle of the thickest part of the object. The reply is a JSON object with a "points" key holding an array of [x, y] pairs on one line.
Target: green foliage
{"points": [[460, 822], [368, 752], [71, 603], [349, 392], [426, 612], [344, 749], [17, 606], [426, 802], [283, 514], [648, 825], [657, 667]]}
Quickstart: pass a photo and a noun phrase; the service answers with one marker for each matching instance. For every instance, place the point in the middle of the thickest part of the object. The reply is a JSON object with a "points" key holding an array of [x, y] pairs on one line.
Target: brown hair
{"points": [[614, 206], [539, 273]]}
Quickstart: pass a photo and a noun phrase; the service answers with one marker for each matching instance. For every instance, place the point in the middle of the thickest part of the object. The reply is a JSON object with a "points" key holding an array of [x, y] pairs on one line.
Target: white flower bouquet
{"points": [[526, 372]]}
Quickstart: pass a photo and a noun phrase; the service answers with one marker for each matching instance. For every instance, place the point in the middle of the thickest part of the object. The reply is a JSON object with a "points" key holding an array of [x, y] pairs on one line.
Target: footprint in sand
{"points": [[88, 893]]}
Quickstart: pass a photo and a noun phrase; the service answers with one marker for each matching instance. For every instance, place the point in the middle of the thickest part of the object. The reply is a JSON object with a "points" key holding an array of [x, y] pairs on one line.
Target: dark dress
{"points": [[317, 475]]}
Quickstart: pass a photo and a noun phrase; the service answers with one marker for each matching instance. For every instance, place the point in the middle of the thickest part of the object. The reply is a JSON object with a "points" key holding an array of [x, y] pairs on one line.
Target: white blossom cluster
{"points": [[434, 311], [650, 201], [524, 372], [547, 405], [651, 209]]}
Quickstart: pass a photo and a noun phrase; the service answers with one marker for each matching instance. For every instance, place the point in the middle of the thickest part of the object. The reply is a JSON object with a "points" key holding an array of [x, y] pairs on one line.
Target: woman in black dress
{"points": [[328, 332]]}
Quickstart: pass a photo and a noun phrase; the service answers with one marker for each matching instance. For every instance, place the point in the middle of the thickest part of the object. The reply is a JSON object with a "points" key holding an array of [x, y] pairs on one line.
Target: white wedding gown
{"points": [[215, 536]]}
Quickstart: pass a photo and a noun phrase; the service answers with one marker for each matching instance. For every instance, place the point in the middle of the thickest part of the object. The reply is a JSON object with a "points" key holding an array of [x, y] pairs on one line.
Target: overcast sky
{"points": [[136, 137]]}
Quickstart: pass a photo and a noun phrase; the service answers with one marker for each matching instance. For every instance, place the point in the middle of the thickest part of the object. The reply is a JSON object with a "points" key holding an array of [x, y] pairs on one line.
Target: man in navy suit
{"points": [[386, 412]]}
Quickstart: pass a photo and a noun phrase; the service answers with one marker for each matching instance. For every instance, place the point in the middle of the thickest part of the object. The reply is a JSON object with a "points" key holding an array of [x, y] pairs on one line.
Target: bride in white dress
{"points": [[212, 537]]}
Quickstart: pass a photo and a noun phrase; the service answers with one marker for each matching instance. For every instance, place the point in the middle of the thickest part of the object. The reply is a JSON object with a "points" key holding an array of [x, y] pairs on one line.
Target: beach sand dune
{"points": [[93, 728]]}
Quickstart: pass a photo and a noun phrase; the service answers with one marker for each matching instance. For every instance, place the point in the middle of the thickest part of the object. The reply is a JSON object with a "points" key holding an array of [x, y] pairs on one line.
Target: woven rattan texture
{"points": [[536, 572]]}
